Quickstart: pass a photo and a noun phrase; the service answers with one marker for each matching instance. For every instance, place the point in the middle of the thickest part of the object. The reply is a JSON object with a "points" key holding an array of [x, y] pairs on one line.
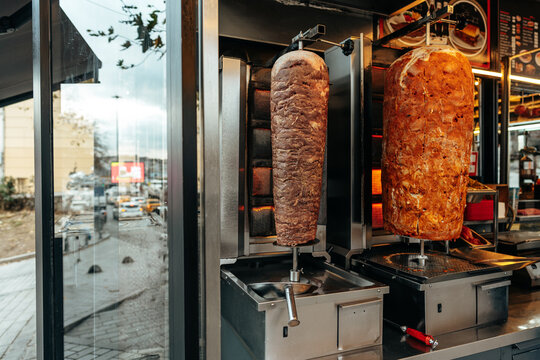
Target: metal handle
{"points": [[360, 302], [495, 285], [291, 306]]}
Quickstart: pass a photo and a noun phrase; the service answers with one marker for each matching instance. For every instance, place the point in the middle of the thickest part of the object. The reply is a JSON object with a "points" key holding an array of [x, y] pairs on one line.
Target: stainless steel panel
{"points": [[494, 285], [259, 246], [492, 301], [521, 332], [360, 317], [315, 336], [209, 96], [450, 307], [233, 100], [318, 330], [347, 218]]}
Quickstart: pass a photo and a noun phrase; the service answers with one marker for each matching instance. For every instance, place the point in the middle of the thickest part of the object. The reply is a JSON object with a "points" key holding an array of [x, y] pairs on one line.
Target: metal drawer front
{"points": [[492, 301], [359, 324]]}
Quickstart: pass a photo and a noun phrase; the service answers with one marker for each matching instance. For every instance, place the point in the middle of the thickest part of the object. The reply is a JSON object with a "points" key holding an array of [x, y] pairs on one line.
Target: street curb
{"points": [[70, 324], [33, 254], [17, 258]]}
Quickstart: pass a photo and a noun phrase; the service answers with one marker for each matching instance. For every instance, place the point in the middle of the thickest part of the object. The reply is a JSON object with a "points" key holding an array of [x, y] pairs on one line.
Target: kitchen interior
{"points": [[364, 283]]}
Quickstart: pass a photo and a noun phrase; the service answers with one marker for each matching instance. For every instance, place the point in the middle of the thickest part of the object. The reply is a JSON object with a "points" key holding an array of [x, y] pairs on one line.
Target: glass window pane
{"points": [[523, 147], [110, 175], [17, 231]]}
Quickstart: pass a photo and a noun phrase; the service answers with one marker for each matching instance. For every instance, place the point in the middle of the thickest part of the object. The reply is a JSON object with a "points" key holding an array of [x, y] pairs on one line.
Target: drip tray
{"points": [[276, 290], [263, 278], [403, 260]]}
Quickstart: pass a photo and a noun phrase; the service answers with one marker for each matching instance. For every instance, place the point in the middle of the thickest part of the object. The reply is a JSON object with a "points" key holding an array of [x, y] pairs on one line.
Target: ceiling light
{"points": [[513, 77]]}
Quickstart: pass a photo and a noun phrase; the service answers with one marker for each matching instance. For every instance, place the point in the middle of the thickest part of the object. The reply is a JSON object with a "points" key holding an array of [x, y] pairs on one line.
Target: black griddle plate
{"points": [[526, 243], [400, 259]]}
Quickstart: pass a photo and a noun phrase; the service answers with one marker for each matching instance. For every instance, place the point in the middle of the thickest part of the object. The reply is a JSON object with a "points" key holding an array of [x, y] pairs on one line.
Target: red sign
{"points": [[473, 167], [127, 172]]}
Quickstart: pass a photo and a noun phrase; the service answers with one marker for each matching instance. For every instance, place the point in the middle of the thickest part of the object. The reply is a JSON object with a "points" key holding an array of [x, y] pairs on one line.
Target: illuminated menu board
{"points": [[470, 32], [518, 33]]}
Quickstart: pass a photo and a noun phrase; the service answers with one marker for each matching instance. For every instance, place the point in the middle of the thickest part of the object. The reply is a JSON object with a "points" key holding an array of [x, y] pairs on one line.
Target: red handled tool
{"points": [[418, 335], [427, 340]]}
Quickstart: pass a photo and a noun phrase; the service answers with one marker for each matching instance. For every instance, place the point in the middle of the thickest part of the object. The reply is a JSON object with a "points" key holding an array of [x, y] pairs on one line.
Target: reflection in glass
{"points": [[17, 232], [524, 148], [110, 174]]}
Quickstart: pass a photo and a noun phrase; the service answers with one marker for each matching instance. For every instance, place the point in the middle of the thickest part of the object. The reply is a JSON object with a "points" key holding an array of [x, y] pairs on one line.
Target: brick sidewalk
{"points": [[17, 308], [120, 313]]}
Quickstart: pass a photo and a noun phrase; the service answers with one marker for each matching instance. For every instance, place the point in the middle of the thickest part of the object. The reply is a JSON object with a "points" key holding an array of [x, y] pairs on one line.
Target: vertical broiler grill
{"points": [[430, 289], [282, 306]]}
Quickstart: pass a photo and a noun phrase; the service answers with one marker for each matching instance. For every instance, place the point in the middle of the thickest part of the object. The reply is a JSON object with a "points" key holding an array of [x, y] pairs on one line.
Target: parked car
{"points": [[111, 194], [122, 199], [139, 200], [128, 210], [151, 205]]}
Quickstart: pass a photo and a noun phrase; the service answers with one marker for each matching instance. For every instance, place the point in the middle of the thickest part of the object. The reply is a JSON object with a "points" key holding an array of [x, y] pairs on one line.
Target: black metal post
{"points": [[49, 316], [505, 103], [182, 179], [489, 123]]}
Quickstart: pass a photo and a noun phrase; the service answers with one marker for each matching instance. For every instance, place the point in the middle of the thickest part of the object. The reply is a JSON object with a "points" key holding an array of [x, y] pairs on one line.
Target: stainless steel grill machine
{"points": [[275, 305], [431, 291]]}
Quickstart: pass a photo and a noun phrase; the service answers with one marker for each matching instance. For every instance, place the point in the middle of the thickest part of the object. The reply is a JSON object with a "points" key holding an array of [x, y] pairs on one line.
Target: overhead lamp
{"points": [[512, 77], [525, 127], [487, 73]]}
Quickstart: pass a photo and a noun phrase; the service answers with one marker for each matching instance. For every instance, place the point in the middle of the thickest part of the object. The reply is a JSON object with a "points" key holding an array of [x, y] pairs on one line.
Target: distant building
{"points": [[17, 145]]}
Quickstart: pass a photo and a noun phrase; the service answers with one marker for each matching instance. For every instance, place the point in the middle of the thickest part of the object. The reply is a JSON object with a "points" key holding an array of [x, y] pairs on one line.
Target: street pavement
{"points": [[17, 308], [118, 313]]}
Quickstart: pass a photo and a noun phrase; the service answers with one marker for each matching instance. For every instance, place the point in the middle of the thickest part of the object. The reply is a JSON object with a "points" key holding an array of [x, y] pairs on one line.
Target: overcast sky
{"points": [[140, 109]]}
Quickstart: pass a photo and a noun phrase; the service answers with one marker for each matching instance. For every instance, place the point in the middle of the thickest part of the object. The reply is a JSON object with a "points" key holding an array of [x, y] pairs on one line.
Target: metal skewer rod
{"points": [[331, 43], [294, 274], [422, 258]]}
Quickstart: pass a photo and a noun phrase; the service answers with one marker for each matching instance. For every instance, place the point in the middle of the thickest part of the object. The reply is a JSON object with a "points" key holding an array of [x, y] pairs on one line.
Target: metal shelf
{"points": [[485, 222], [526, 219], [481, 191]]}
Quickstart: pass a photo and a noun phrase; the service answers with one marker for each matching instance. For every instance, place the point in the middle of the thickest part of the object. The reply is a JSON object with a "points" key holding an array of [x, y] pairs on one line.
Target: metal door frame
{"points": [[183, 238]]}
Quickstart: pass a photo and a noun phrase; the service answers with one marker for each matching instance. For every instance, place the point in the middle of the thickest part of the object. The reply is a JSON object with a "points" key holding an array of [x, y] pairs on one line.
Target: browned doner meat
{"points": [[428, 131], [299, 108]]}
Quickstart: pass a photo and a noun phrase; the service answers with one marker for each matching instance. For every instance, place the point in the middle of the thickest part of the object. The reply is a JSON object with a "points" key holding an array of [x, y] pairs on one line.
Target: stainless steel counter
{"points": [[523, 324]]}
